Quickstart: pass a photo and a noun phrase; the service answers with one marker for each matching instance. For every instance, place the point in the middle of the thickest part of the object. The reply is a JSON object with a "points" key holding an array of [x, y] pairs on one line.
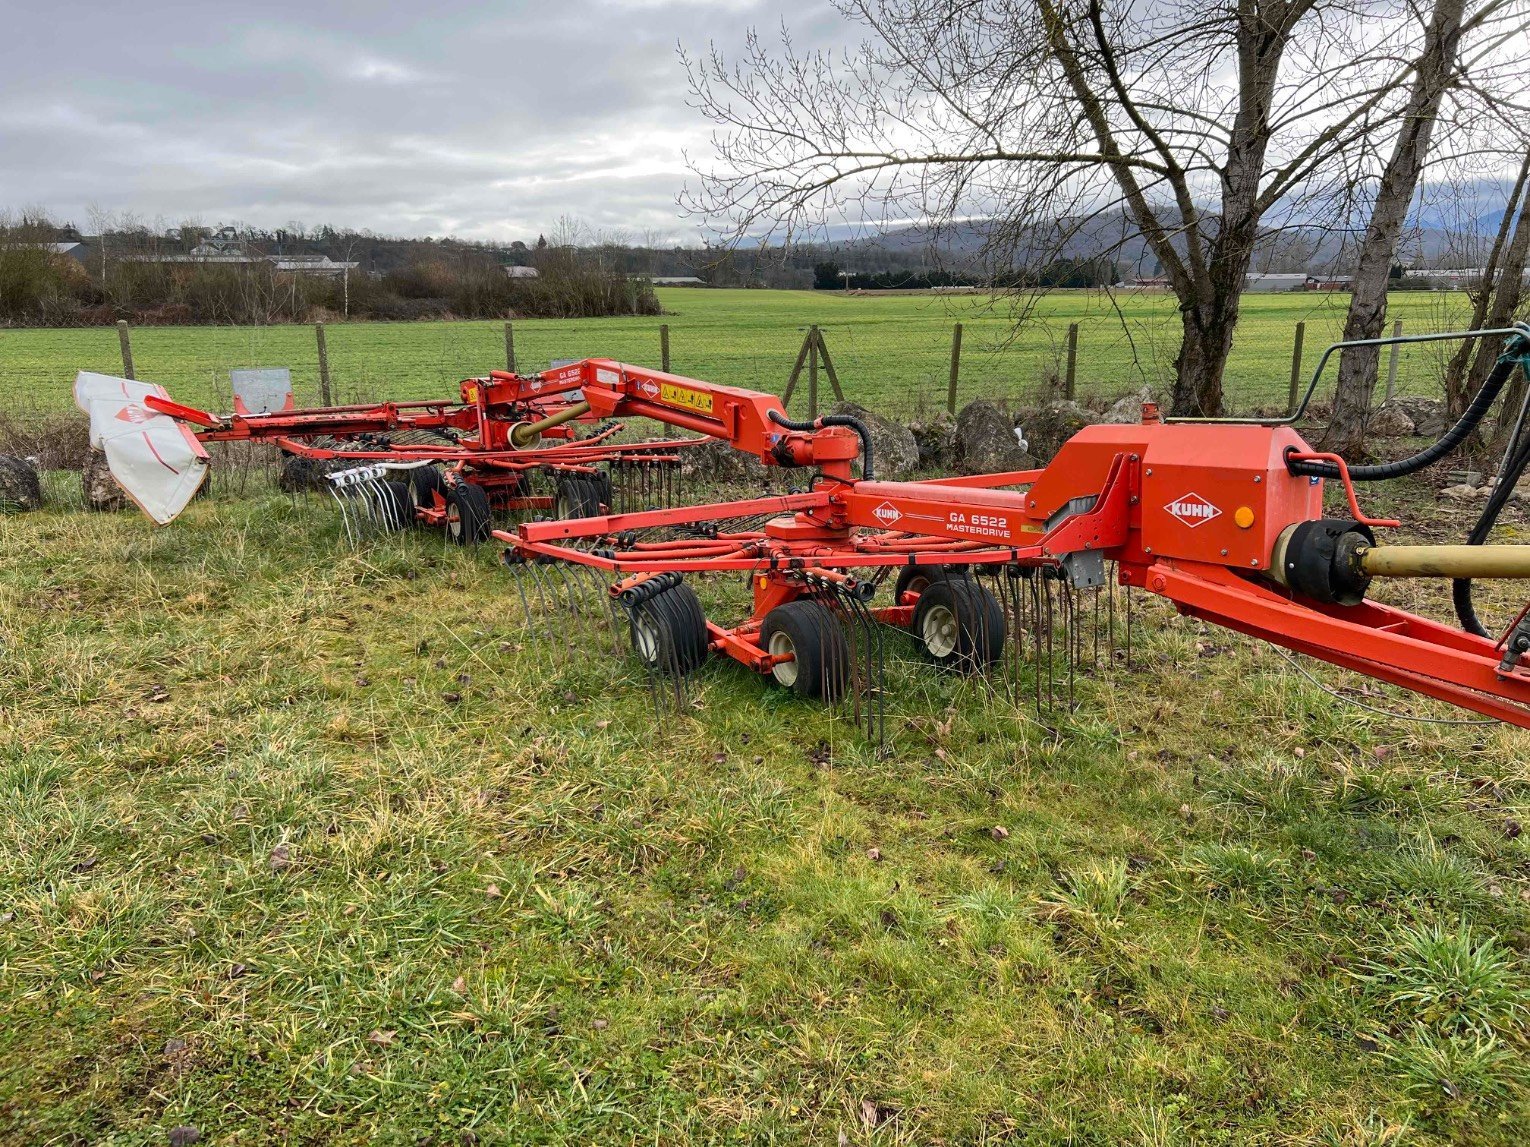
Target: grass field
{"points": [[310, 845], [892, 352]]}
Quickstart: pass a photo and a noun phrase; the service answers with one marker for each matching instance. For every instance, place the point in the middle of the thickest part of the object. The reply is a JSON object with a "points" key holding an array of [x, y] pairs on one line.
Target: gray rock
{"points": [[1128, 410], [895, 453], [1048, 427], [716, 461], [986, 442], [19, 486], [1427, 414], [101, 489], [1389, 421], [1461, 493], [935, 437]]}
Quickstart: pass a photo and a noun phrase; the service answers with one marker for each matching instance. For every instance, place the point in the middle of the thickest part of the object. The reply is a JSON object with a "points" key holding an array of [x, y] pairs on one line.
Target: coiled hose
{"points": [[849, 420]]}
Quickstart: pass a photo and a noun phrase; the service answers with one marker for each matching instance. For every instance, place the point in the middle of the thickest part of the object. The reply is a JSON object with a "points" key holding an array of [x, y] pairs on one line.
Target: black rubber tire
{"points": [[810, 631], [669, 632], [395, 510], [425, 481], [578, 496], [467, 514], [959, 624], [918, 578]]}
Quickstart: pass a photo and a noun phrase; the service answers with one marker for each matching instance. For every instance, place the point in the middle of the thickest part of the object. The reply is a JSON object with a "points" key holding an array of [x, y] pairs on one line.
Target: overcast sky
{"points": [[479, 120]]}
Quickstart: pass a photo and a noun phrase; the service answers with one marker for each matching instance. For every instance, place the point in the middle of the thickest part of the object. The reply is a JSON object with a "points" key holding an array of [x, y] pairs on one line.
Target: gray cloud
{"points": [[481, 121]]}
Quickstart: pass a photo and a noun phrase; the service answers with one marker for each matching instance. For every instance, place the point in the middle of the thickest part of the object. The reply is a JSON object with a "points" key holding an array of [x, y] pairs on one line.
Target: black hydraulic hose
{"points": [[1461, 588], [849, 420], [1502, 369]]}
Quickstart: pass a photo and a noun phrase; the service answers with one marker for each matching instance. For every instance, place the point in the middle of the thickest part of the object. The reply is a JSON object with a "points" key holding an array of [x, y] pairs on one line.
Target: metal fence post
{"points": [[127, 349], [664, 346], [1071, 377], [1392, 359], [509, 348], [318, 332], [1296, 367], [956, 366]]}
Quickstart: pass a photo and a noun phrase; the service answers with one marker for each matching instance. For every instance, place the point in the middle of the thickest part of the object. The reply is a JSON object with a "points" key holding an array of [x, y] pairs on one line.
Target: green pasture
{"points": [[892, 352]]}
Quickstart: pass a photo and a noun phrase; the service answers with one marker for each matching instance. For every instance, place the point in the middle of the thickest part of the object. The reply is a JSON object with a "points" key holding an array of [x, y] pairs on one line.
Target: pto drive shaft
{"points": [[1444, 561]]}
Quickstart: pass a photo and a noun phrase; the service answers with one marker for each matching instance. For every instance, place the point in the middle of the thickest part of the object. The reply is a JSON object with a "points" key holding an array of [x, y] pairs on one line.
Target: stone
{"points": [[1389, 421], [986, 442], [1461, 493], [1048, 427], [1128, 410], [716, 461], [935, 437], [20, 488], [1427, 414], [101, 489], [894, 452]]}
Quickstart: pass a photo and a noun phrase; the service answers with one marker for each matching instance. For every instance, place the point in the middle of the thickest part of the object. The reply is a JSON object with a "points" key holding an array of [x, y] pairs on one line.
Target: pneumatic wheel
{"points": [[917, 579], [959, 624], [396, 506], [669, 631], [467, 514], [424, 483], [579, 496], [813, 637]]}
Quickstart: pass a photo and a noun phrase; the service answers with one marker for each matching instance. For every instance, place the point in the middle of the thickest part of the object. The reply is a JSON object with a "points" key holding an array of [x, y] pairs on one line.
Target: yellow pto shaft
{"points": [[1444, 561], [525, 434]]}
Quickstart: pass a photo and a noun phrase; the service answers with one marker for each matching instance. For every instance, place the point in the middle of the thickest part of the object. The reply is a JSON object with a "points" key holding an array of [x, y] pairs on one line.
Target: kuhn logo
{"points": [[887, 513], [131, 413], [1193, 510], [649, 387]]}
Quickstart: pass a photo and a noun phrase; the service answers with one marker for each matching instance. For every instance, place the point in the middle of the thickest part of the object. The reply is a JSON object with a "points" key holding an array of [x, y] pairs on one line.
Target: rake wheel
{"points": [[396, 511], [917, 579], [467, 514], [959, 624], [579, 496], [810, 632], [669, 631]]}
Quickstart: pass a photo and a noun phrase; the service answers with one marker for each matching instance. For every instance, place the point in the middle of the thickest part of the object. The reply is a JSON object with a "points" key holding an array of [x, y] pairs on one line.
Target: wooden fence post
{"points": [[828, 366], [1071, 377], [509, 348], [1296, 368], [318, 332], [813, 373], [664, 347], [956, 366], [1396, 349], [127, 349], [791, 382]]}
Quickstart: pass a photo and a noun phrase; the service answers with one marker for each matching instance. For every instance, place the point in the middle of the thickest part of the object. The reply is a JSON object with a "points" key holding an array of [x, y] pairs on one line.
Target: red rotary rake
{"points": [[445, 463], [1224, 519]]}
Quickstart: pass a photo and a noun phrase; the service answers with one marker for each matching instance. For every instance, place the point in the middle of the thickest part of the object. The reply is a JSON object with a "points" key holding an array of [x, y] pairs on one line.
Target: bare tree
{"points": [[1197, 122]]}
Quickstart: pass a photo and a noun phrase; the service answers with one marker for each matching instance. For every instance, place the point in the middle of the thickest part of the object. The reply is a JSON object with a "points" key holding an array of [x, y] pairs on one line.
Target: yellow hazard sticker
{"points": [[471, 394], [686, 397]]}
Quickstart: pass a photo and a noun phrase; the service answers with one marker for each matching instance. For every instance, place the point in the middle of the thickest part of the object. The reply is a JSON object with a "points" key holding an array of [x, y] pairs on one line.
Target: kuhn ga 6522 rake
{"points": [[508, 442], [1224, 519]]}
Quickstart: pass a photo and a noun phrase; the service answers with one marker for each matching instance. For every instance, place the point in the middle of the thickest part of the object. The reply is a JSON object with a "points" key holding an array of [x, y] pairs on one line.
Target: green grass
{"points": [[311, 845], [891, 352]]}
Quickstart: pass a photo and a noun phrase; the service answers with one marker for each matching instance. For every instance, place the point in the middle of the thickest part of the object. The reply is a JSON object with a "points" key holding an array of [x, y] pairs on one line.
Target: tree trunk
{"points": [[1399, 179], [1202, 358]]}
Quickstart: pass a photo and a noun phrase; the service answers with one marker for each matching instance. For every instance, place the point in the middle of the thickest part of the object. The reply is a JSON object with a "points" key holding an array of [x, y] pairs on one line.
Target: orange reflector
{"points": [[1244, 516]]}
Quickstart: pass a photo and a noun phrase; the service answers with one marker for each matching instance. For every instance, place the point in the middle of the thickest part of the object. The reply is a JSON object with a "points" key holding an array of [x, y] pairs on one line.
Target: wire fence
{"points": [[891, 355]]}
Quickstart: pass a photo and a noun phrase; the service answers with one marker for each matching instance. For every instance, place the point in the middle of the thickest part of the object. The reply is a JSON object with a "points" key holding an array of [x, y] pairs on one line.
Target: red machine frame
{"points": [[1193, 512]]}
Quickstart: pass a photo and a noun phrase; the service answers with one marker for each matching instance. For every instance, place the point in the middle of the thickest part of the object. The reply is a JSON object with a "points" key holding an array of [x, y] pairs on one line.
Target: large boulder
{"points": [[894, 453], [935, 436], [1128, 410], [19, 486], [101, 489], [716, 461], [1427, 414], [1389, 421], [1047, 427], [986, 442]]}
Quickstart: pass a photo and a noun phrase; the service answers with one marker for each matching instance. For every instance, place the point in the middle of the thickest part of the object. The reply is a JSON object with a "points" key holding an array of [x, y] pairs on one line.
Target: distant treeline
{"points": [[827, 276], [123, 275]]}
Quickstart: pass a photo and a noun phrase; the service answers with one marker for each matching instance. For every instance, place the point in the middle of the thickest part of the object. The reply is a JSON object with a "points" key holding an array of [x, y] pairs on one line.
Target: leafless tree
{"points": [[1204, 125]]}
